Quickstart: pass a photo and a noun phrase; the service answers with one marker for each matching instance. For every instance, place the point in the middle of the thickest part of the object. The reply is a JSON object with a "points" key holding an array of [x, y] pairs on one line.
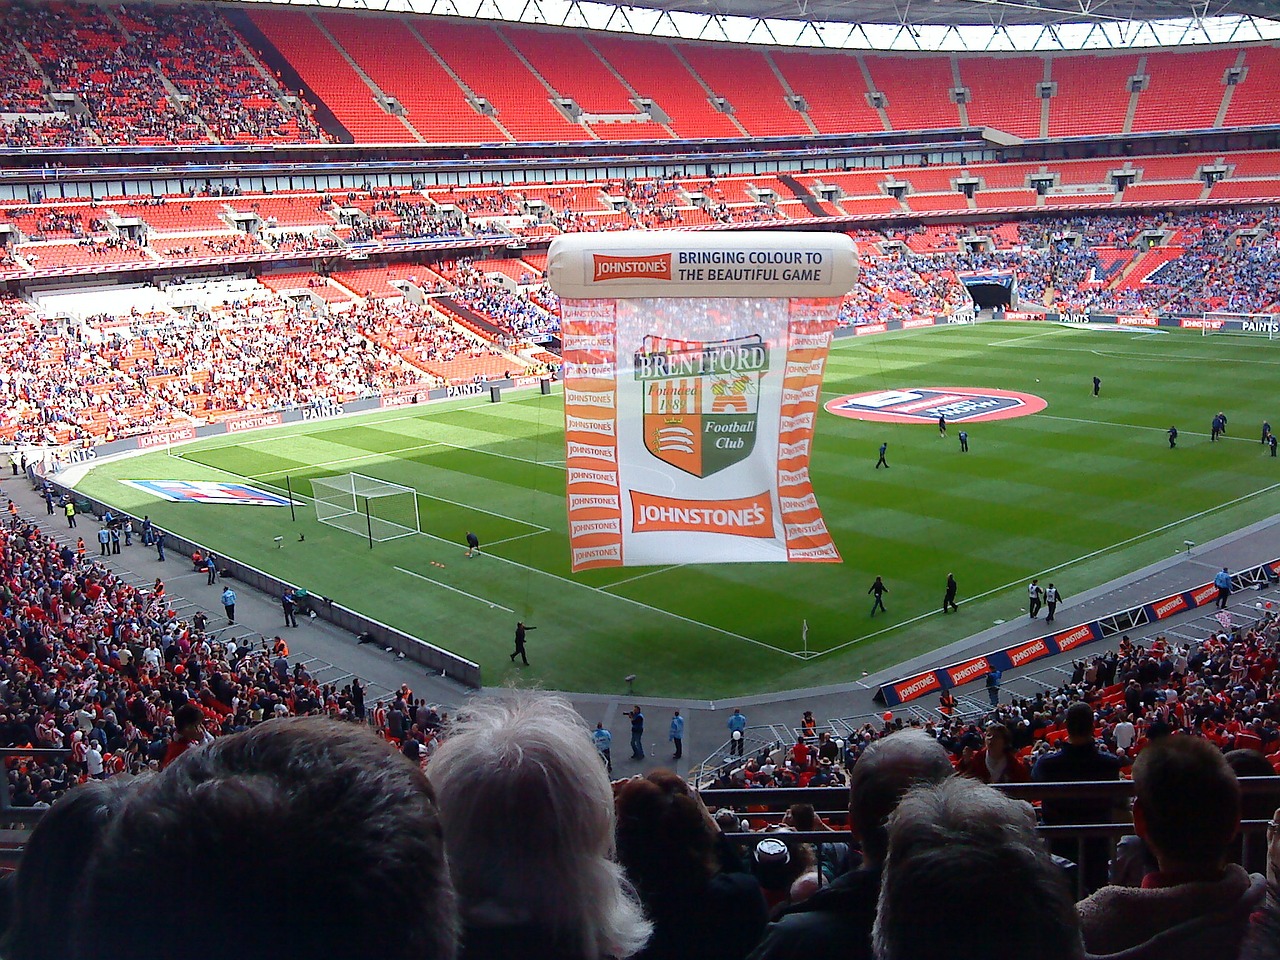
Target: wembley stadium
{"points": [[314, 402]]}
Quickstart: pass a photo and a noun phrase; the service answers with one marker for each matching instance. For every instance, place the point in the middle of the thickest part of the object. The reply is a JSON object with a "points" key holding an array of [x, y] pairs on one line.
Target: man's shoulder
{"points": [[839, 916]]}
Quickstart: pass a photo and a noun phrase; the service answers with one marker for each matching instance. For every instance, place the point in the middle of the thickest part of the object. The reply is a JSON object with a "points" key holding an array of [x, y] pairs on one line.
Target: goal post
{"points": [[367, 506], [1242, 324]]}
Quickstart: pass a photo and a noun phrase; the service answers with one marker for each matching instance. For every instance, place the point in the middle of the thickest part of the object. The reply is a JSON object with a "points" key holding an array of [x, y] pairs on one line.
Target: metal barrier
{"points": [[833, 802]]}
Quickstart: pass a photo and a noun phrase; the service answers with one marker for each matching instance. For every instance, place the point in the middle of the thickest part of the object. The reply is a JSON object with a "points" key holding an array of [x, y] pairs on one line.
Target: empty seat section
{"points": [[937, 201], [986, 199], [1245, 189], [1185, 92], [1171, 168], [928, 179], [833, 87], [1002, 93], [566, 62], [1163, 191], [329, 76], [1005, 175], [917, 91], [1254, 99], [477, 54], [656, 73], [1086, 171], [1264, 163], [1092, 96], [1076, 199], [744, 77], [866, 206], [395, 59]]}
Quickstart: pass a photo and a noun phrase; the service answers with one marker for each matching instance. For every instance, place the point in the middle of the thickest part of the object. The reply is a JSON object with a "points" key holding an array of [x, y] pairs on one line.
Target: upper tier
{"points": [[88, 75]]}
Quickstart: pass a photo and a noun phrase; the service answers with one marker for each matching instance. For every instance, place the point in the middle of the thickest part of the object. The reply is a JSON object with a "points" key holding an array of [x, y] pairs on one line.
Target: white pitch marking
{"points": [[1061, 566], [641, 576], [455, 590]]}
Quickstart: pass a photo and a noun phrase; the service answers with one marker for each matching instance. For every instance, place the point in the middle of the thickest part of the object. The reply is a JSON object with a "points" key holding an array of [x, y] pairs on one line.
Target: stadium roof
{"points": [[898, 25]]}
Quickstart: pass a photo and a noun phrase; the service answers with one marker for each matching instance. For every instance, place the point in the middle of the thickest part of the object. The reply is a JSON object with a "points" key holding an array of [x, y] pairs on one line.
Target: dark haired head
{"points": [[302, 837]]}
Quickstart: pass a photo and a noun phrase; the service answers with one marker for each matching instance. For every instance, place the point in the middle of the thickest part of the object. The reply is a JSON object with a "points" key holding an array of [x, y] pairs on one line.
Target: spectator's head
{"points": [[1187, 803], [299, 838], [1080, 722], [188, 719], [665, 839], [887, 769], [952, 845], [529, 823], [53, 863]]}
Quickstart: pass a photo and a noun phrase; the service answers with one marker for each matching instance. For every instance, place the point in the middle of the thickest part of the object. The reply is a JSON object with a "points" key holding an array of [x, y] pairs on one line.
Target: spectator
{"points": [[529, 824], [837, 920], [667, 842], [995, 762], [1197, 906], [952, 846], [304, 815], [53, 861], [1080, 758]]}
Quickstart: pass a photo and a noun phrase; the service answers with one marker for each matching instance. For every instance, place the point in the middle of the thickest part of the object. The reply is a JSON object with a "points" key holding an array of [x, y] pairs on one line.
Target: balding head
{"points": [[887, 769]]}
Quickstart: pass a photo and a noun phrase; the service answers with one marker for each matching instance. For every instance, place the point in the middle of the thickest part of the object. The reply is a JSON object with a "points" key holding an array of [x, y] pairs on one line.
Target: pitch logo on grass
{"points": [[926, 404], [200, 491], [701, 400]]}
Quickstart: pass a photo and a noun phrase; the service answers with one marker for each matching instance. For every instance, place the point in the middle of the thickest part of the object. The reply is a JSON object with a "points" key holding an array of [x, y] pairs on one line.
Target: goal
{"points": [[373, 508], [1242, 324]]}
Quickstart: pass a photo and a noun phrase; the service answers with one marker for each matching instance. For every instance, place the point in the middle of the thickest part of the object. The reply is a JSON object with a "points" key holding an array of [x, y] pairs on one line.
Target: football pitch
{"points": [[1079, 493]]}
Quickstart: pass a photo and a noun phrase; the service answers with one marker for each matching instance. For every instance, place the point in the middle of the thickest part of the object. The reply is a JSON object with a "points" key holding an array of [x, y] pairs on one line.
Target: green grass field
{"points": [[1080, 493]]}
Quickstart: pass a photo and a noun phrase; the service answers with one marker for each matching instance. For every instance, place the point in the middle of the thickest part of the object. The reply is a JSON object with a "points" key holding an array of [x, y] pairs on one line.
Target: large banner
{"points": [[693, 374]]}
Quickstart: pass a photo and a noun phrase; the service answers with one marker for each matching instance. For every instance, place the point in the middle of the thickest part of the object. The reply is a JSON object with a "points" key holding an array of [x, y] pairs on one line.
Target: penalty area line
{"points": [[464, 593]]}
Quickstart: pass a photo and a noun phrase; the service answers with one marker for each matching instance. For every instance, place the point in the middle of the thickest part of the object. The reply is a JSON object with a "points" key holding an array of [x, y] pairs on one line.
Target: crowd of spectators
{"points": [[118, 63], [270, 356], [417, 334]]}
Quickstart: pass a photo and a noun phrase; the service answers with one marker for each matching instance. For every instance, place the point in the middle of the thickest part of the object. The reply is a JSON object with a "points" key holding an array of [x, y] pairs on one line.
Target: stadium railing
{"points": [[832, 803]]}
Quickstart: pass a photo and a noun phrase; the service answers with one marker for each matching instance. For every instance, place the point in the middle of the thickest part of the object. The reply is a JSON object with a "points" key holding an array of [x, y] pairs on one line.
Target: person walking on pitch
{"points": [[882, 462], [519, 651], [878, 590], [949, 598]]}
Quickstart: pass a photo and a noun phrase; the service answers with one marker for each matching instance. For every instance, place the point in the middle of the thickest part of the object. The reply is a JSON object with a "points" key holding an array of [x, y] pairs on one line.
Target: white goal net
{"points": [[1266, 325], [378, 509]]}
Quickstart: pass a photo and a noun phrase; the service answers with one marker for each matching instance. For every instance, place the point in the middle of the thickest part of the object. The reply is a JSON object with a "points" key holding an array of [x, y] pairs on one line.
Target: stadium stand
{"points": [[1003, 93], [1092, 94], [917, 91], [478, 55], [394, 58], [656, 73], [833, 108], [1251, 101], [1186, 90], [328, 75], [574, 70], [747, 80]]}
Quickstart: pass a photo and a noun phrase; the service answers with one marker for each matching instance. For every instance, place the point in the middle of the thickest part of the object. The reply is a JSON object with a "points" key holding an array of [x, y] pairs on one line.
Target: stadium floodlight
{"points": [[378, 509]]}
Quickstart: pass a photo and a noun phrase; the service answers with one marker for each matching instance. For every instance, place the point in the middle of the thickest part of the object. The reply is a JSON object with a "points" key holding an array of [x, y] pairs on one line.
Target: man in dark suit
{"points": [[1079, 759]]}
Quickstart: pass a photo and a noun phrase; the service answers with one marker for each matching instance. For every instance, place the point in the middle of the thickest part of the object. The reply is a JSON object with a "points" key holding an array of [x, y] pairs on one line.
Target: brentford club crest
{"points": [[701, 400]]}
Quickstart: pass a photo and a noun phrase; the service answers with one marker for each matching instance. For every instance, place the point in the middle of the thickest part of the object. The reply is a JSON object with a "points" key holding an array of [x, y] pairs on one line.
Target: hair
{"points": [[1190, 800], [529, 823], [953, 846], [803, 816], [664, 840], [53, 861], [887, 769], [1080, 720], [187, 715], [302, 837]]}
